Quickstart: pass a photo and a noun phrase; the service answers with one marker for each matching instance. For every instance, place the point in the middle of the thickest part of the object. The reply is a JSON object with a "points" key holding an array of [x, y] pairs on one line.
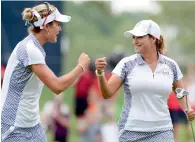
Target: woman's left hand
{"points": [[190, 114]]}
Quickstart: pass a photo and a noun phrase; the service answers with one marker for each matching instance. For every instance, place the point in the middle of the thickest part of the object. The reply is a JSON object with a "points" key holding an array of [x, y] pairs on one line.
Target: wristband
{"points": [[81, 67], [97, 74]]}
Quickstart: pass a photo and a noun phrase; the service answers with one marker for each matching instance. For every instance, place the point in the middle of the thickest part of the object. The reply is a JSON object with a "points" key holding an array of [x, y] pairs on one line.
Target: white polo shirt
{"points": [[21, 87], [146, 93]]}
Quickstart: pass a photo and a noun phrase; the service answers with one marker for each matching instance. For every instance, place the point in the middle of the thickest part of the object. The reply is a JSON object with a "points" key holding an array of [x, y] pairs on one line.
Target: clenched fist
{"points": [[100, 64], [84, 61]]}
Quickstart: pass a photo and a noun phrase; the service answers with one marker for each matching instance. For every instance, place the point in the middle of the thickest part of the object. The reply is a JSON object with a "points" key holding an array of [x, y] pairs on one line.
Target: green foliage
{"points": [[181, 15], [96, 31]]}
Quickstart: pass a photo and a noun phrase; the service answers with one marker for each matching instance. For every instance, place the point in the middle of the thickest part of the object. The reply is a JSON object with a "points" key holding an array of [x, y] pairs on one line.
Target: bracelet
{"points": [[97, 74], [81, 67]]}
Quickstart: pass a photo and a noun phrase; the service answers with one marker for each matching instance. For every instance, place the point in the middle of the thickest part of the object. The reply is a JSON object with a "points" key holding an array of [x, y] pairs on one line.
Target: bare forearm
{"points": [[54, 83], [110, 87], [67, 80], [104, 87], [184, 104]]}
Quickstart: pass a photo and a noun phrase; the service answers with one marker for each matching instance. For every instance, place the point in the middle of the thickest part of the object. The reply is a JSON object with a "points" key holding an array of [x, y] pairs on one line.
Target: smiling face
{"points": [[53, 30], [143, 44]]}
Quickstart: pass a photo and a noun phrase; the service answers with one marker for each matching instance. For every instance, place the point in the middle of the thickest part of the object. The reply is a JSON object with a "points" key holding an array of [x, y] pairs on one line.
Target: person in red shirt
{"points": [[2, 73], [178, 117], [81, 90]]}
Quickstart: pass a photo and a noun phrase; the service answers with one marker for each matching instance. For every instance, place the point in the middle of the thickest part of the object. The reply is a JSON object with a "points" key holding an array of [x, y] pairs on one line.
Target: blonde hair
{"points": [[42, 9]]}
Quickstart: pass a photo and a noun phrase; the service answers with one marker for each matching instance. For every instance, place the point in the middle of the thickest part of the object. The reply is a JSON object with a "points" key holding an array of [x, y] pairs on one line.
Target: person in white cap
{"points": [[27, 72], [148, 78]]}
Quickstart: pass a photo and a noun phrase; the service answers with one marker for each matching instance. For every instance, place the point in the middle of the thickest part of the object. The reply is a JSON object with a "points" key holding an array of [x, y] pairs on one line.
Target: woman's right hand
{"points": [[100, 64], [84, 61]]}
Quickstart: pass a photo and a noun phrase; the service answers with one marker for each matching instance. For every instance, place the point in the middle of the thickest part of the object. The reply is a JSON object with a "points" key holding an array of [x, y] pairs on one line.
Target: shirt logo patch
{"points": [[165, 72]]}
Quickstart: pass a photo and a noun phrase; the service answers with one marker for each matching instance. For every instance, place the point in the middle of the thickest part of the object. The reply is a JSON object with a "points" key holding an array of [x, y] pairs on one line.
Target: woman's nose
{"points": [[135, 40]]}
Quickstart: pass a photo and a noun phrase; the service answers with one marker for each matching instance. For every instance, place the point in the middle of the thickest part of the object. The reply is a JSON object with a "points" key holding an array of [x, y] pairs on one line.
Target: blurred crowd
{"points": [[96, 117]]}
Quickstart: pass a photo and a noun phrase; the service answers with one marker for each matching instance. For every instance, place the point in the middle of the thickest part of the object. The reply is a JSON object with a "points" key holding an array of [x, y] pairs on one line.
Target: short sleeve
{"points": [[119, 70], [177, 73], [30, 54]]}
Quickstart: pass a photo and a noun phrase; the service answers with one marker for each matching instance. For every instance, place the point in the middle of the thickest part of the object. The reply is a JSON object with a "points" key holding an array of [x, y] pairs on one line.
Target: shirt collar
{"points": [[140, 59]]}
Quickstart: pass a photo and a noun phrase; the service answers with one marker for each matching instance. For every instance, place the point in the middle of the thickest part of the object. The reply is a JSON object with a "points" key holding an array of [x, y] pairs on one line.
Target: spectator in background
{"points": [[55, 117], [109, 129], [96, 101], [2, 73], [61, 122], [81, 90], [89, 127], [178, 117], [108, 105], [86, 111], [98, 108]]}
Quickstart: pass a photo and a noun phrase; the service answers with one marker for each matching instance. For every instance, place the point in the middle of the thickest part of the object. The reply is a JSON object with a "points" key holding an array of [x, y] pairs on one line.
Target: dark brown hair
{"points": [[160, 45]]}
